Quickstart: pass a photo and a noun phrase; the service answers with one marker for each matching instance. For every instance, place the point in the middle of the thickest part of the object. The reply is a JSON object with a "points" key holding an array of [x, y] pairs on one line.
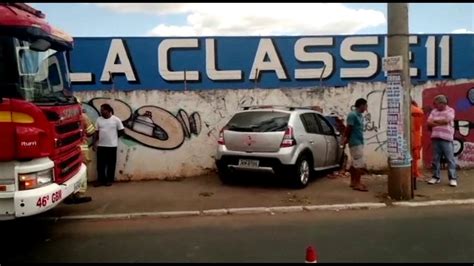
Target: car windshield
{"points": [[41, 76], [259, 121]]}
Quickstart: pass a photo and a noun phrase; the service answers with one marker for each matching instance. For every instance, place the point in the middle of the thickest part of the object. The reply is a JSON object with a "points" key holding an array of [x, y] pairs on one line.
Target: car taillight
{"points": [[221, 140], [288, 138]]}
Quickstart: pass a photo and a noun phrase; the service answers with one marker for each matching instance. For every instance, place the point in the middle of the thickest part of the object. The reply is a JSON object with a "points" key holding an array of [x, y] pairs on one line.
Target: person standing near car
{"points": [[109, 129], [354, 136], [441, 124]]}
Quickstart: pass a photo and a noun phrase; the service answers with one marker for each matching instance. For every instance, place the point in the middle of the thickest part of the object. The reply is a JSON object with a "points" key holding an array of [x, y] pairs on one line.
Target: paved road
{"points": [[207, 192], [434, 234]]}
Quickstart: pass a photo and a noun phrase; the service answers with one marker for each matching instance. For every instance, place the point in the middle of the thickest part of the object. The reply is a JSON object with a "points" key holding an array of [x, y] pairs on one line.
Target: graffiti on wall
{"points": [[373, 119], [369, 124], [150, 125], [461, 98], [375, 134]]}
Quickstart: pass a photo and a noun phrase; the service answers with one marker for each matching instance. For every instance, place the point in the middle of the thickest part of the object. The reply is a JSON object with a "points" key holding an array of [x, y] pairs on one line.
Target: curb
{"points": [[262, 210], [433, 203], [253, 210], [215, 212], [127, 215], [352, 206], [286, 209]]}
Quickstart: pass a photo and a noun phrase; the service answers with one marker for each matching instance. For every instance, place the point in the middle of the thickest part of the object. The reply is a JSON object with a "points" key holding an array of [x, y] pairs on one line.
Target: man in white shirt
{"points": [[109, 129]]}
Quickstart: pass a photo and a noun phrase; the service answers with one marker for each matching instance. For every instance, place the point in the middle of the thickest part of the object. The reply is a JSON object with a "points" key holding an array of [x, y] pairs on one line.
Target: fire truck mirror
{"points": [[40, 45]]}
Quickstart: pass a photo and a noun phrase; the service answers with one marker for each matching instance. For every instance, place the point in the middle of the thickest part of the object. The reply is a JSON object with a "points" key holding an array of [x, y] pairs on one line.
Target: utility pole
{"points": [[400, 185]]}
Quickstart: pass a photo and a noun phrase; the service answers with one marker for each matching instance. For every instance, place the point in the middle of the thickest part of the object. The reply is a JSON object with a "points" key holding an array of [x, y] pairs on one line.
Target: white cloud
{"points": [[153, 8], [460, 31], [208, 19]]}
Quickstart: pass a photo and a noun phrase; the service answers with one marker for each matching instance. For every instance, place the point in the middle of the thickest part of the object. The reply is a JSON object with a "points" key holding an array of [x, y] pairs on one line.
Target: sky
{"points": [[250, 19]]}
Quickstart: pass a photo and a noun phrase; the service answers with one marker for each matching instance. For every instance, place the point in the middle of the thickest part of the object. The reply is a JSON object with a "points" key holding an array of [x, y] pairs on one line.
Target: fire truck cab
{"points": [[40, 120]]}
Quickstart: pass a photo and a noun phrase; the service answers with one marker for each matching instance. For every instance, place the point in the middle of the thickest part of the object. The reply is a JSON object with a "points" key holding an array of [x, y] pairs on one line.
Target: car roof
{"points": [[283, 109]]}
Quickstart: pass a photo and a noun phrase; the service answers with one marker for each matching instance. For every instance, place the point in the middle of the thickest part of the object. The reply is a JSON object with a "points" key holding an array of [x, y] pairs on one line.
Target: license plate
{"points": [[248, 163]]}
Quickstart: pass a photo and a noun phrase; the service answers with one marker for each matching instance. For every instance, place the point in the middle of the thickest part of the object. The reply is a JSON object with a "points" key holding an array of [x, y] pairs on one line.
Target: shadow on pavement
{"points": [[22, 235]]}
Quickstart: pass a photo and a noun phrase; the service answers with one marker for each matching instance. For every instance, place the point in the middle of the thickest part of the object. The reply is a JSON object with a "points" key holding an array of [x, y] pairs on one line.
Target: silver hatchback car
{"points": [[288, 141]]}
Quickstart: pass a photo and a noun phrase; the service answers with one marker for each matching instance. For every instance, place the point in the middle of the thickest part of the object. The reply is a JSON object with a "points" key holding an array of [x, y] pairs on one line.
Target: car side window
{"points": [[310, 123], [325, 126]]}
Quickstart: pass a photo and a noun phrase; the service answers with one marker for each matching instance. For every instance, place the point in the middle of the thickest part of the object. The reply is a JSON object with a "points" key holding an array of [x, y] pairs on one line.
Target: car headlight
{"points": [[35, 180], [7, 185]]}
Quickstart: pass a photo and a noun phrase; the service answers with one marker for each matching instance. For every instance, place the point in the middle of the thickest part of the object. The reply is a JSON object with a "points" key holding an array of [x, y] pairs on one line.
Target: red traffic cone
{"points": [[311, 256]]}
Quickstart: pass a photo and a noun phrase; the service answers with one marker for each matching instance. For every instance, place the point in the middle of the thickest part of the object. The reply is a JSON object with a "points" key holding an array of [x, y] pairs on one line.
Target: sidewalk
{"points": [[207, 192]]}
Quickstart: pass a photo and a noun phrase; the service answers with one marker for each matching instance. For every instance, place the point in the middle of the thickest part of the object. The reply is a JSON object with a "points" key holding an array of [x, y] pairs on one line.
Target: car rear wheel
{"points": [[302, 172], [225, 175]]}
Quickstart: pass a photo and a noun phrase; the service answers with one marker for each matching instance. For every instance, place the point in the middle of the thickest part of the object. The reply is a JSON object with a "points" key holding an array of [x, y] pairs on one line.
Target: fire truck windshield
{"points": [[37, 76]]}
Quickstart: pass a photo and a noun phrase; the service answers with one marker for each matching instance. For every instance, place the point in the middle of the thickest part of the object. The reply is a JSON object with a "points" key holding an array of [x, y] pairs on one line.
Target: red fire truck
{"points": [[40, 121]]}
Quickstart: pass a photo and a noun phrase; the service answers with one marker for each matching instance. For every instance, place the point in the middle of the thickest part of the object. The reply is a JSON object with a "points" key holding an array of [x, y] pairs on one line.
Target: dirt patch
{"points": [[174, 179], [383, 197], [206, 194], [421, 196], [295, 199], [379, 172]]}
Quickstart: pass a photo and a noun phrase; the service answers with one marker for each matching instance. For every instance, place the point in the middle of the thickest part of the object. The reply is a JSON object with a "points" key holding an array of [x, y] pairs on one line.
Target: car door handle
{"points": [[311, 142]]}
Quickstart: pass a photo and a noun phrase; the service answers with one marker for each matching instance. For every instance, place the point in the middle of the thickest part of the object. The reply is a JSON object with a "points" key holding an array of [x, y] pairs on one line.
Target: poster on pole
{"points": [[397, 147]]}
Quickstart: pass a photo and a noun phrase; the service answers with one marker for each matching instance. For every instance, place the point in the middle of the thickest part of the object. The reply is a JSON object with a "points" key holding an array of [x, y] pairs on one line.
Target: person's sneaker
{"points": [[453, 183], [108, 184], [434, 180]]}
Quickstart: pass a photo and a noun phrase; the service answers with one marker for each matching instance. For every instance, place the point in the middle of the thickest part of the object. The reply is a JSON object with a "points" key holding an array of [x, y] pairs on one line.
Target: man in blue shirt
{"points": [[354, 136]]}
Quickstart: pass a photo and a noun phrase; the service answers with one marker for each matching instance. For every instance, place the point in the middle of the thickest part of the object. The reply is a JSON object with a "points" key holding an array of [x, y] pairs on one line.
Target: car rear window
{"points": [[259, 122]]}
